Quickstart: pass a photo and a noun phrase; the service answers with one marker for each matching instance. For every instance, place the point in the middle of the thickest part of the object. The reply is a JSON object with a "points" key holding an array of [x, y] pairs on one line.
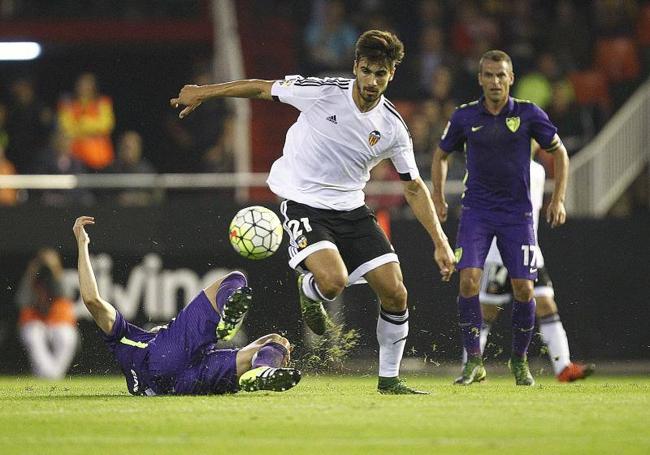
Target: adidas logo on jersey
{"points": [[332, 118]]}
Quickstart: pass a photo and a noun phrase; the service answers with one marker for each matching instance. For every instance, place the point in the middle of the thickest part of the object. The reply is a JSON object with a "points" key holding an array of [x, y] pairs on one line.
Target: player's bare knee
{"points": [[395, 298], [545, 306], [523, 291], [469, 286], [331, 285], [275, 338]]}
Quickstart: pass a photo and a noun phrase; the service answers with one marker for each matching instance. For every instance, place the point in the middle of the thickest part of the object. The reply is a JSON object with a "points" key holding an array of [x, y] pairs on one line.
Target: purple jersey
{"points": [[498, 152], [182, 358], [129, 344]]}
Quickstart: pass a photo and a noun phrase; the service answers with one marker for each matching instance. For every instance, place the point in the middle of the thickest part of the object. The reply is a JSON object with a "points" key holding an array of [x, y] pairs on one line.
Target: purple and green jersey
{"points": [[498, 152], [181, 359], [496, 202]]}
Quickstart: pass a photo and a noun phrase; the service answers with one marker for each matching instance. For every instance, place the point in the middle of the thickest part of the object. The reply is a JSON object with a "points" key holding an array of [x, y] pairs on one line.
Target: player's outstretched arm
{"points": [[419, 198], [439, 167], [191, 96], [556, 213], [102, 312]]}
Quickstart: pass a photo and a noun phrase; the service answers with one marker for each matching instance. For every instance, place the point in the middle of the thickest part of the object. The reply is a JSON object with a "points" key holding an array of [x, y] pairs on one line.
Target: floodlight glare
{"points": [[19, 50]]}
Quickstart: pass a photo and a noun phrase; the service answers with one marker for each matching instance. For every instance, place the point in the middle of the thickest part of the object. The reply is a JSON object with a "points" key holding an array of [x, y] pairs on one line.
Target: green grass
{"points": [[329, 414]]}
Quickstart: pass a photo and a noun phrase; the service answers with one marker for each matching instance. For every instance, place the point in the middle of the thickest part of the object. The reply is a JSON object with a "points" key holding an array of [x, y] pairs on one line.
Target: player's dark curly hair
{"points": [[496, 56], [380, 46]]}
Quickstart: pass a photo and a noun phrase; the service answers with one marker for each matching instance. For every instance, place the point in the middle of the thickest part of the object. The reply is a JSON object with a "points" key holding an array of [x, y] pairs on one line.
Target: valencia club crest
{"points": [[374, 137]]}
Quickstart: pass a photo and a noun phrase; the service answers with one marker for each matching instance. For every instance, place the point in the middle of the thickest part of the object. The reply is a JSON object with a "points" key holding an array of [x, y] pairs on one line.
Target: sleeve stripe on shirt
{"points": [[406, 176], [393, 111], [554, 145], [314, 82]]}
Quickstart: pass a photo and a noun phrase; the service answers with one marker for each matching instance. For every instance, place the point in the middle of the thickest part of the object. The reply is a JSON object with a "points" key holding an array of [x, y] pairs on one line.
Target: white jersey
{"points": [[537, 181], [330, 150]]}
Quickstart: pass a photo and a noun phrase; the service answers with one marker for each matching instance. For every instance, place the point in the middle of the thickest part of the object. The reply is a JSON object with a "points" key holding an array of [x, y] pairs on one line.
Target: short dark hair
{"points": [[379, 46], [496, 56]]}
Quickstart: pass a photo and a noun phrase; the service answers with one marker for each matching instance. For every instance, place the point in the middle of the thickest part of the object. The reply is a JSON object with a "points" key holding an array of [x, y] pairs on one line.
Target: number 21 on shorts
{"points": [[294, 227]]}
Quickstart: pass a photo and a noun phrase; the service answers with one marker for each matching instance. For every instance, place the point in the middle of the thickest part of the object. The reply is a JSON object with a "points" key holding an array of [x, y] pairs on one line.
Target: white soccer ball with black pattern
{"points": [[256, 232]]}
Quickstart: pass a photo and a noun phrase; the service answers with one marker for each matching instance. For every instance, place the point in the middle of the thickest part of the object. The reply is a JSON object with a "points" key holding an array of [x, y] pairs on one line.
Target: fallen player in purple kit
{"points": [[181, 358]]}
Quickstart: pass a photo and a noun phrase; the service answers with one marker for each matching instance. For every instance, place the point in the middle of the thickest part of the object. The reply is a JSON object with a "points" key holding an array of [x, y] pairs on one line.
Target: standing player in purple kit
{"points": [[181, 358], [496, 131]]}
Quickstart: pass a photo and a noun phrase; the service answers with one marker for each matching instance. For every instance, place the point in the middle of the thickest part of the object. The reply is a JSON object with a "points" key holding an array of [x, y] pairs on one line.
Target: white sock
{"points": [[554, 337], [485, 331], [310, 288], [392, 330]]}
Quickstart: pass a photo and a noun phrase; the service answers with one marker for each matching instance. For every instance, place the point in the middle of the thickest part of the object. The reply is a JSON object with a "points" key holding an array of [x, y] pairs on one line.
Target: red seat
{"points": [[618, 58], [643, 26], [590, 88], [405, 108]]}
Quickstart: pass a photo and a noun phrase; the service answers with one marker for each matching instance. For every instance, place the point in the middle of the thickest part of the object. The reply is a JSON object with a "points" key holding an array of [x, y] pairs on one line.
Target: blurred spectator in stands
{"points": [[431, 54], [8, 196], [47, 321], [385, 172], [569, 36], [471, 26], [537, 86], [441, 86], [28, 124], [220, 157], [375, 19], [614, 17], [129, 156], [329, 39], [4, 134], [130, 161], [57, 159], [89, 120], [575, 124], [421, 135], [521, 29], [196, 136], [436, 117]]}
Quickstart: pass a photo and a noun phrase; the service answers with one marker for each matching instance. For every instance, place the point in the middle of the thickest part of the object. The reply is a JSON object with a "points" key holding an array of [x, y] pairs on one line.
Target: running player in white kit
{"points": [[495, 291], [344, 129]]}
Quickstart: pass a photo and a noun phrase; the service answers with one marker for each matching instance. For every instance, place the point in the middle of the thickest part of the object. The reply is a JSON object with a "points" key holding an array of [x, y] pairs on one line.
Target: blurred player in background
{"points": [[47, 321], [181, 358], [496, 290], [496, 133], [344, 129]]}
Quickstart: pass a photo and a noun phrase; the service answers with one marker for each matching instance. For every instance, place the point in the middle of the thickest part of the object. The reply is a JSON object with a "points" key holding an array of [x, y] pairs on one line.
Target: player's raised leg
{"points": [[392, 326], [231, 297], [262, 365], [326, 279]]}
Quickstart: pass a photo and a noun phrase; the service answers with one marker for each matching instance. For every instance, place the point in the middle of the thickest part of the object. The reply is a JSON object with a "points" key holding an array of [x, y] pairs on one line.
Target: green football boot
{"points": [[313, 312], [269, 378], [396, 386], [473, 371], [519, 368], [234, 312]]}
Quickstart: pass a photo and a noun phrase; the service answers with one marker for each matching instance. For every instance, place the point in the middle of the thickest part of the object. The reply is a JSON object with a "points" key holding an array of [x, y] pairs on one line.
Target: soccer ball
{"points": [[255, 232]]}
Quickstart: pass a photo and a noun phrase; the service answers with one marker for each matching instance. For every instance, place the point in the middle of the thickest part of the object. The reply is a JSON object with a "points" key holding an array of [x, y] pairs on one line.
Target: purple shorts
{"points": [[183, 359], [515, 239], [214, 371]]}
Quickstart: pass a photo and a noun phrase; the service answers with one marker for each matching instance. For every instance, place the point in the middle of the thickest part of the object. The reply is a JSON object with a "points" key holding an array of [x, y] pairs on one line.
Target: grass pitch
{"points": [[329, 414]]}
